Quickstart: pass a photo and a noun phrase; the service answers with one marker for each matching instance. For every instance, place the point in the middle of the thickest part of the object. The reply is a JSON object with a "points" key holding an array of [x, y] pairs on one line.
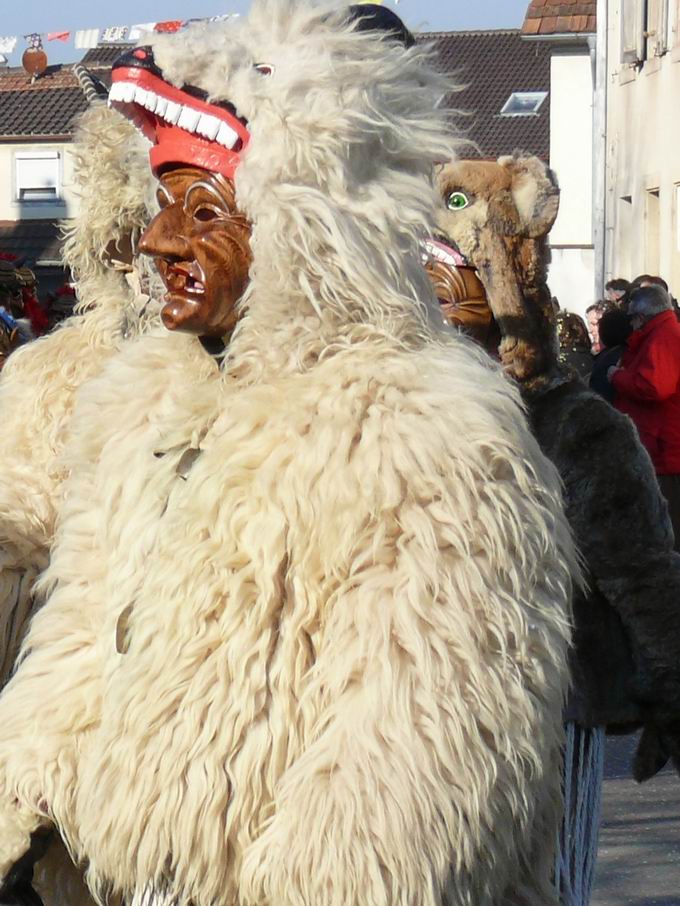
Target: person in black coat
{"points": [[615, 328]]}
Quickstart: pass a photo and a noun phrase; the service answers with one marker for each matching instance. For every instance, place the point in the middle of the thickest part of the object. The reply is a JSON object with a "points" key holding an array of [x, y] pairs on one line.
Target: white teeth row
{"points": [[187, 118], [441, 254]]}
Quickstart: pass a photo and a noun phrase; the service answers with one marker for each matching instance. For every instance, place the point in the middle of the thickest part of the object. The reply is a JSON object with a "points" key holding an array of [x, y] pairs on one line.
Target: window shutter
{"points": [[664, 27], [633, 22], [37, 176]]}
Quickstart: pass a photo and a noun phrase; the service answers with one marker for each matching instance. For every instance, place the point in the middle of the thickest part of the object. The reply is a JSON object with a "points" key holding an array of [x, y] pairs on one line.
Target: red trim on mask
{"points": [[172, 144]]}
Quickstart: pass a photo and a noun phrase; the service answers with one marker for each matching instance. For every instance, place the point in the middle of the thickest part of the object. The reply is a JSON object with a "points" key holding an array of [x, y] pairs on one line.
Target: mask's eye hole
{"points": [[265, 69], [457, 201], [206, 213], [163, 197]]}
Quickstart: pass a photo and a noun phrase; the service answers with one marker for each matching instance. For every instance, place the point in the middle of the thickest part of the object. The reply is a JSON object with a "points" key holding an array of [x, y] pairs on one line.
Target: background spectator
{"points": [[593, 314], [574, 343], [615, 328], [615, 291], [647, 387], [648, 280]]}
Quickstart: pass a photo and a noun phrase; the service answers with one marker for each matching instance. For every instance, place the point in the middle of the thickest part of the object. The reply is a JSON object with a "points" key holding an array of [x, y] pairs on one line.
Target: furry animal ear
{"points": [[535, 193]]}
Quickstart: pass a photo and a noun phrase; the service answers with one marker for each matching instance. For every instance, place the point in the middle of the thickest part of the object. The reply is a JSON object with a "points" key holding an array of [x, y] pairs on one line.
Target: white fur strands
{"points": [[40, 381], [326, 666], [38, 384], [116, 202], [345, 132], [402, 702]]}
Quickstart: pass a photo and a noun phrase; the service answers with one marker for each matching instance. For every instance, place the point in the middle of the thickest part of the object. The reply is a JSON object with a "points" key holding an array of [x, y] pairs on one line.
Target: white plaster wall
{"points": [[570, 278], [643, 153], [571, 145], [10, 209], [572, 272]]}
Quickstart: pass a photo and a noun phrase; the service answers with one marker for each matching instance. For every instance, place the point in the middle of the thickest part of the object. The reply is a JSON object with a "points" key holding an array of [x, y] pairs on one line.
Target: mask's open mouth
{"points": [[181, 125], [183, 278], [444, 251]]}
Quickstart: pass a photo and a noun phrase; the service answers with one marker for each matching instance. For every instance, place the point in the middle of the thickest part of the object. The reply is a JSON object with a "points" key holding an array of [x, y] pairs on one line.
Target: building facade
{"points": [[643, 140], [37, 117], [568, 29]]}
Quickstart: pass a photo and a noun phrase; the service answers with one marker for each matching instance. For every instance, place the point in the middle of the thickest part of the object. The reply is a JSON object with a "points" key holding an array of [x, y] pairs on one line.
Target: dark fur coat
{"points": [[627, 640], [626, 654]]}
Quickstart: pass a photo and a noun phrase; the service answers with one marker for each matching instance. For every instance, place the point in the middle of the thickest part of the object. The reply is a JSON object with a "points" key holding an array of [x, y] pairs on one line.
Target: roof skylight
{"points": [[524, 103]]}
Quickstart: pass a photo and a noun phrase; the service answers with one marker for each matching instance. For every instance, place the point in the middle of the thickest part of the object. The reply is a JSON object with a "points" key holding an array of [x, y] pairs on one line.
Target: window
{"points": [[675, 254], [652, 231], [673, 22], [666, 20], [646, 27], [633, 21], [37, 176], [524, 103], [658, 27]]}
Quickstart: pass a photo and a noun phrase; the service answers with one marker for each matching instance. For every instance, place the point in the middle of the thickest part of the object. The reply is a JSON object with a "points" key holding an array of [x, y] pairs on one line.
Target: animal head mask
{"points": [[329, 133], [496, 216]]}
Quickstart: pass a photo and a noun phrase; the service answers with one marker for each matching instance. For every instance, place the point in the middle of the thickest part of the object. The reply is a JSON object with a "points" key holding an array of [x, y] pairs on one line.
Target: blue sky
{"points": [[24, 16]]}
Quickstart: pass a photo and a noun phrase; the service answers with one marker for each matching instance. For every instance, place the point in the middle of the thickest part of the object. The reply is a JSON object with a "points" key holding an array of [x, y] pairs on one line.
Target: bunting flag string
{"points": [[169, 27], [87, 38], [115, 34], [143, 28]]}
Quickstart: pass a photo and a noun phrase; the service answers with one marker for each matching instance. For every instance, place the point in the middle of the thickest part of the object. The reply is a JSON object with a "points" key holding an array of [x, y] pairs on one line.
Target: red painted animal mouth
{"points": [[180, 123]]}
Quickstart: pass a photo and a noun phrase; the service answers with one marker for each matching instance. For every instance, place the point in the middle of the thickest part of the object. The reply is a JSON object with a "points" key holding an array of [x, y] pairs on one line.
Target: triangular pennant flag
{"points": [[115, 33], [141, 29], [87, 37], [7, 45], [58, 35], [168, 27]]}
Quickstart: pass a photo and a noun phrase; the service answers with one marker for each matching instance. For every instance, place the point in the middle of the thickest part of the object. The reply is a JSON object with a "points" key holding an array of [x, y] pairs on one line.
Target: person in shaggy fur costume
{"points": [[496, 217], [306, 614], [39, 384]]}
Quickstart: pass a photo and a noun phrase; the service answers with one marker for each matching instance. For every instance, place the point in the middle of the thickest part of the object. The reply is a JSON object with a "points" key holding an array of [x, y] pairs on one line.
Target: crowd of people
{"points": [[630, 354], [24, 316]]}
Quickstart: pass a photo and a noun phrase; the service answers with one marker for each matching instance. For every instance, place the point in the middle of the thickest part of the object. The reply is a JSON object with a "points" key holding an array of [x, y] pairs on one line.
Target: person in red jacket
{"points": [[647, 387]]}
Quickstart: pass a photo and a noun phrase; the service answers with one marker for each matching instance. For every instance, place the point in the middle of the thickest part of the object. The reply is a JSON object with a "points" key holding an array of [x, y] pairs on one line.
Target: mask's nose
{"points": [[163, 238]]}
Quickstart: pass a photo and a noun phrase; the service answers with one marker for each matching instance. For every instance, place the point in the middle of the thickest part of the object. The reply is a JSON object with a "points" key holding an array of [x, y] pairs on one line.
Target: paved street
{"points": [[639, 860]]}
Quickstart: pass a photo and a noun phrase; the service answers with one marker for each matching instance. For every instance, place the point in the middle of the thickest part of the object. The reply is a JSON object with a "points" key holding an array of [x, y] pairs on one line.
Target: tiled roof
{"points": [[46, 106], [98, 60], [40, 113], [104, 55], [36, 240], [491, 65], [560, 17]]}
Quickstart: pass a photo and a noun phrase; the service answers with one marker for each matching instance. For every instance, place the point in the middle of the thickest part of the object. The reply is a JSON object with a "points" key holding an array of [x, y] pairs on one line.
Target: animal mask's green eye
{"points": [[456, 201]]}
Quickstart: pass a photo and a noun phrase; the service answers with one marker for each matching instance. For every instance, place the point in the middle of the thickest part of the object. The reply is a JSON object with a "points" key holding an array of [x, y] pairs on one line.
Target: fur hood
{"points": [[345, 133], [116, 202]]}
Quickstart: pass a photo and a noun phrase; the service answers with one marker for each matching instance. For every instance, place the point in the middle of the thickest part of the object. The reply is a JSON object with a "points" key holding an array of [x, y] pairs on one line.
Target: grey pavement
{"points": [[639, 854]]}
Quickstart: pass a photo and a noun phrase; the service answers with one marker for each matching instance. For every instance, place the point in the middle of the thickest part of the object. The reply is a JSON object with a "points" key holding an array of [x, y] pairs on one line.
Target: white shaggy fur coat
{"points": [[321, 659], [39, 383], [38, 387]]}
